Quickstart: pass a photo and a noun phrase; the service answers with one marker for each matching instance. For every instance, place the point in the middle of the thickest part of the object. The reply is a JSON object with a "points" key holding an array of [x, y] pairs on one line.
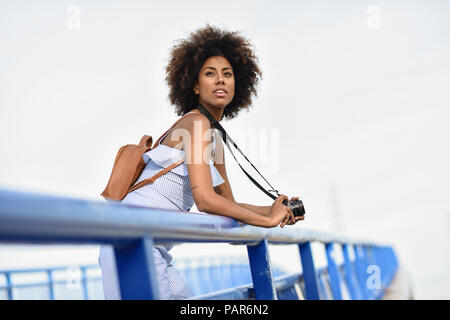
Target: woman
{"points": [[217, 69]]}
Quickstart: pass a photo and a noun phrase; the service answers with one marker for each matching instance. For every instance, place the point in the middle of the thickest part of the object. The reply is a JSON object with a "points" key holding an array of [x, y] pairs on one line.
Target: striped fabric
{"points": [[171, 191]]}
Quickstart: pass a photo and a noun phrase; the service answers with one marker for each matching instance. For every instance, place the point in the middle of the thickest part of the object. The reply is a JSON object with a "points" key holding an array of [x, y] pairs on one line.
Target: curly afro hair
{"points": [[188, 56]]}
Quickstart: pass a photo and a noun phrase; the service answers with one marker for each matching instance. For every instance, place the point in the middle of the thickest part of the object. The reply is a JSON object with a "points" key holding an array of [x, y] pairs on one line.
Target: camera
{"points": [[296, 207]]}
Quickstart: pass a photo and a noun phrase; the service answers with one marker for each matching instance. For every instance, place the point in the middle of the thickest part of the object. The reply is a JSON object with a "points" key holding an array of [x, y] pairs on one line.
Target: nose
{"points": [[220, 78]]}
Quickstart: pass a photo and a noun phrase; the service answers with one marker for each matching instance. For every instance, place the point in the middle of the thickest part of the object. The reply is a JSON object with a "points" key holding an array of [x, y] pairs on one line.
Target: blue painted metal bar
{"points": [[361, 271], [373, 271], [258, 256], [41, 283], [53, 269], [245, 292], [33, 218], [349, 270], [135, 266], [381, 262], [290, 293], [51, 289], [309, 272], [388, 265], [288, 281], [378, 260], [49, 284], [335, 278], [363, 265], [84, 283], [9, 285], [323, 293]]}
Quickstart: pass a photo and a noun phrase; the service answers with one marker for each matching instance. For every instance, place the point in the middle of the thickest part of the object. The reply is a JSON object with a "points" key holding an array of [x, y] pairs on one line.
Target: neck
{"points": [[215, 112]]}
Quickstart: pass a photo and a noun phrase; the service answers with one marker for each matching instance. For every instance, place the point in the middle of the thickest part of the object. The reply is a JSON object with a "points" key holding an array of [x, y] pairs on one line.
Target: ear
{"points": [[196, 90]]}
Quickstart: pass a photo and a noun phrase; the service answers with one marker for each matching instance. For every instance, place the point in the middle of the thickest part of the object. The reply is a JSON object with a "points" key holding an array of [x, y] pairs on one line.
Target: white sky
{"points": [[360, 105]]}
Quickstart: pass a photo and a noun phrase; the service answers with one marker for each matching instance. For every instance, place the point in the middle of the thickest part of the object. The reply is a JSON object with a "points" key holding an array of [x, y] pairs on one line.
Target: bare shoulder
{"points": [[193, 120], [185, 126]]}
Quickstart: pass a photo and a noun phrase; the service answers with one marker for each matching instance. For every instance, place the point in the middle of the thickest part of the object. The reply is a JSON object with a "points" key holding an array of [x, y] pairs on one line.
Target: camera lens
{"points": [[296, 207]]}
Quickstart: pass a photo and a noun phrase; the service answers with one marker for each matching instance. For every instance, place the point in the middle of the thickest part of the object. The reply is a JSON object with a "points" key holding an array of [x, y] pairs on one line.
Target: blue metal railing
{"points": [[36, 218], [203, 274], [52, 283]]}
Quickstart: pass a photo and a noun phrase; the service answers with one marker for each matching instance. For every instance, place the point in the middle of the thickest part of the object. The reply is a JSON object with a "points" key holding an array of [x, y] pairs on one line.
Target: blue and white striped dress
{"points": [[170, 191]]}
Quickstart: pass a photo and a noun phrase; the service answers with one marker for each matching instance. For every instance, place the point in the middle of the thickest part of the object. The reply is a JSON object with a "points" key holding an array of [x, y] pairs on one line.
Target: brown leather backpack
{"points": [[129, 165]]}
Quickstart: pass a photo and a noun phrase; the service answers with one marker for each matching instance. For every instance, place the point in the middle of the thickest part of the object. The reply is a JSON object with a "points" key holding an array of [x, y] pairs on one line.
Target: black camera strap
{"points": [[227, 139]]}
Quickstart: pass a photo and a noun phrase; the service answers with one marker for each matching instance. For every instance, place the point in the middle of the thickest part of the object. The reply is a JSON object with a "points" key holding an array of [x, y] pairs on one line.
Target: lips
{"points": [[220, 90]]}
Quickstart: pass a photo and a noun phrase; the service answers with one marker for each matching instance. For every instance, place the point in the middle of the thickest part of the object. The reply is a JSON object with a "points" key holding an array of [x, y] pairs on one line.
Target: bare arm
{"points": [[224, 189], [222, 206], [262, 210], [204, 194]]}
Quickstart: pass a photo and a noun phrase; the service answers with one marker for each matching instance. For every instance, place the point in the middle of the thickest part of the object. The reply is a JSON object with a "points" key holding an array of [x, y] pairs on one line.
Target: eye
{"points": [[228, 74], [209, 72]]}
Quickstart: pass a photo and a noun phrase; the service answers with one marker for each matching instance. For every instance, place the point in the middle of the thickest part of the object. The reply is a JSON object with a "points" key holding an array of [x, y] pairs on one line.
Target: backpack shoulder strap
{"points": [[148, 139], [156, 176]]}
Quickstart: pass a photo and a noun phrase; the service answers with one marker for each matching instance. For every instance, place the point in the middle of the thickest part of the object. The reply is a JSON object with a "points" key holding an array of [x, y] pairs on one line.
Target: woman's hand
{"points": [[278, 211], [289, 218]]}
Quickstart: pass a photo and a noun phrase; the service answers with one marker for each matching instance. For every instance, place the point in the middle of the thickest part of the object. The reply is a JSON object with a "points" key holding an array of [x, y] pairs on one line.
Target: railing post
{"points": [[323, 292], [374, 273], [259, 259], [84, 283], [349, 270], [136, 270], [376, 261], [9, 286], [335, 278], [309, 272], [361, 270], [51, 291], [387, 261]]}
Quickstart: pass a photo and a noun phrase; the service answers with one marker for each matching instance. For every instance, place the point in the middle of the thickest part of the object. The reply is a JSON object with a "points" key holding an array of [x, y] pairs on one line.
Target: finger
{"points": [[287, 217], [298, 218], [294, 198], [291, 216], [283, 222], [290, 220], [294, 221]]}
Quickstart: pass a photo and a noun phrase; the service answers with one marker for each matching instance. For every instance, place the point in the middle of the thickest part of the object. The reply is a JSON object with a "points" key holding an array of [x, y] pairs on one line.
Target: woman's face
{"points": [[215, 84]]}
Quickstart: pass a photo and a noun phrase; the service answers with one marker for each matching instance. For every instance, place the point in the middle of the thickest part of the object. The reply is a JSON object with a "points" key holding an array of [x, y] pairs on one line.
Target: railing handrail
{"points": [[32, 217], [45, 269], [132, 231]]}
